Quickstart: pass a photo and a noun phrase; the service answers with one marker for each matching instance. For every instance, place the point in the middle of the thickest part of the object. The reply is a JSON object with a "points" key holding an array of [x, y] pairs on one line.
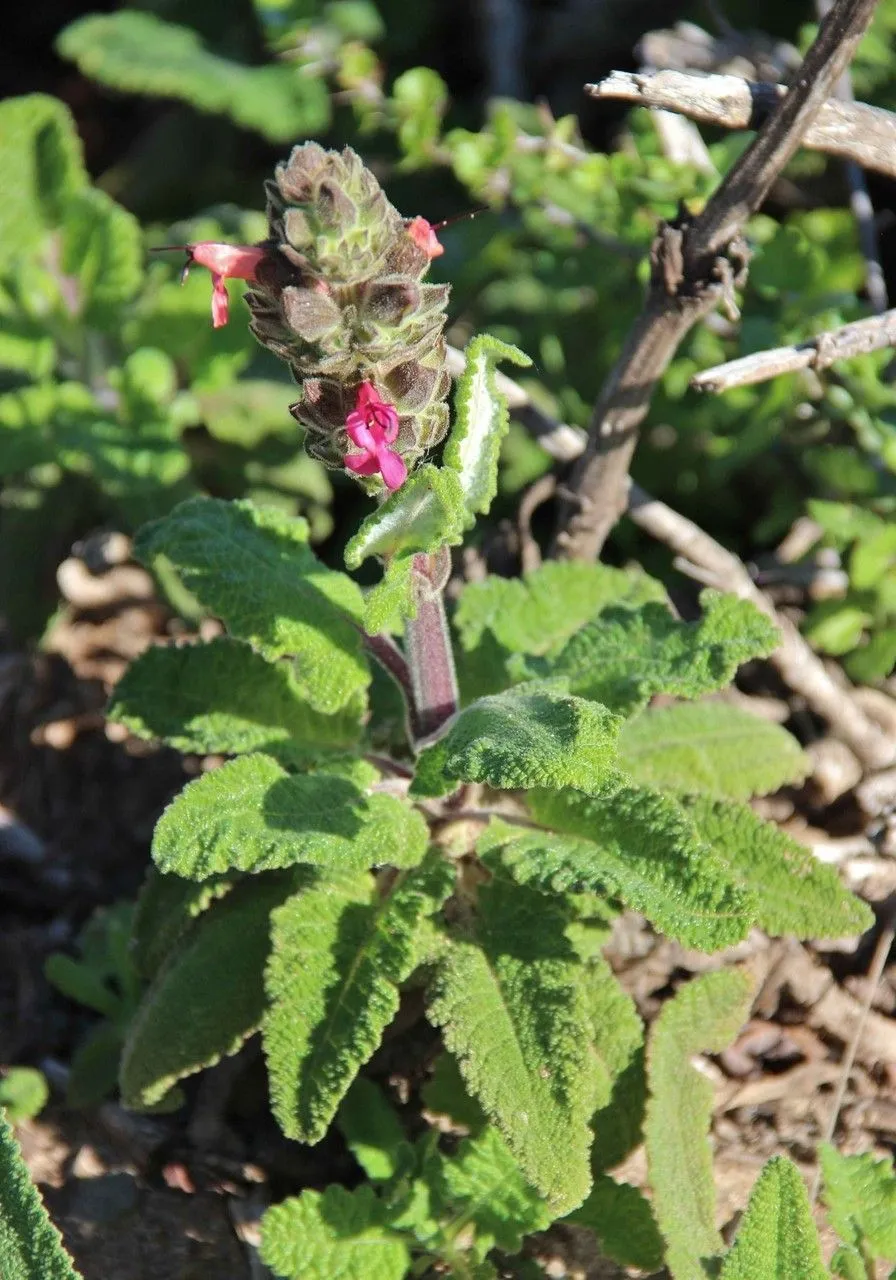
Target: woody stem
{"points": [[428, 649]]}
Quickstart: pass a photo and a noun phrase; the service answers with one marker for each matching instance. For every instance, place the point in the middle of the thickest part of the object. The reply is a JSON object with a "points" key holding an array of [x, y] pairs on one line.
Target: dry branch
{"points": [[851, 130], [695, 264], [857, 338]]}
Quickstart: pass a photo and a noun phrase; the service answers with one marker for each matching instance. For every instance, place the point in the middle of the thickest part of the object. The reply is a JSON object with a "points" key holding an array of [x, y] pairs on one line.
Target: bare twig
{"points": [[854, 339], [798, 666], [695, 265], [875, 973], [852, 130]]}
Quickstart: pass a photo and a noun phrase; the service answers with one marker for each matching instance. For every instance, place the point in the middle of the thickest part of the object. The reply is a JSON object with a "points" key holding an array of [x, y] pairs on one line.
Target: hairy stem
{"points": [[428, 649]]}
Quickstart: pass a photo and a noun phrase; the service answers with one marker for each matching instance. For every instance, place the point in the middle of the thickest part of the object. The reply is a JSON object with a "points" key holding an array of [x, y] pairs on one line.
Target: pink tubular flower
{"points": [[424, 237], [373, 426], [225, 262]]}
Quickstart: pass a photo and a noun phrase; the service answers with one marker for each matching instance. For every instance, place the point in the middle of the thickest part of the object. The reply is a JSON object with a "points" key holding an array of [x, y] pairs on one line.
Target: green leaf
{"points": [[251, 815], [635, 844], [419, 99], [873, 559], [616, 1032], [622, 1219], [391, 600], [776, 1238], [423, 515], [340, 952], [373, 1132], [481, 1184], [208, 998], [848, 1263], [141, 53], [511, 1011], [538, 613], [30, 1246], [38, 423], [618, 1126], [710, 747], [225, 698], [102, 251], [252, 567], [481, 421], [623, 656], [704, 1015], [860, 1192], [166, 907], [527, 737], [337, 1233], [23, 1093], [42, 166], [795, 892], [445, 1094]]}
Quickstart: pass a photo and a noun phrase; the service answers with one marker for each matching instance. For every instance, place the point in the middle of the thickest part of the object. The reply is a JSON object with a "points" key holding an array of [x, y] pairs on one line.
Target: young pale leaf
{"points": [[624, 655], [424, 514], [704, 1015], [538, 613], [23, 1093], [480, 425], [622, 1219], [531, 736], [710, 747], [222, 697], [140, 53], [511, 1011], [481, 1184], [860, 1192], [42, 166], [208, 998], [638, 845], [390, 601], [794, 892], [253, 568], [251, 815], [373, 1132], [30, 1246], [337, 1233], [165, 909], [102, 253], [776, 1239], [848, 1263], [339, 954]]}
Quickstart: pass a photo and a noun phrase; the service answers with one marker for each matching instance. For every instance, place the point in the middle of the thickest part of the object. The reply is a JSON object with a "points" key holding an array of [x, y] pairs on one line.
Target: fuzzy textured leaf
{"points": [[222, 697], [512, 1013], [776, 1239], [251, 815], [424, 514], [795, 892], [373, 1132], [30, 1246], [530, 736], [166, 907], [860, 1192], [538, 613], [622, 1219], [710, 747], [481, 1183], [208, 998], [141, 53], [102, 252], [42, 165], [253, 568], [704, 1015], [333, 1235], [624, 656], [339, 955], [481, 420], [638, 845], [388, 602], [616, 1032]]}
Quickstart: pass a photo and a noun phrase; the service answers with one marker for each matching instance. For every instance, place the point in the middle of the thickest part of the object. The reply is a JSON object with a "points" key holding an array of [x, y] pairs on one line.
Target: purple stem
{"points": [[430, 658]]}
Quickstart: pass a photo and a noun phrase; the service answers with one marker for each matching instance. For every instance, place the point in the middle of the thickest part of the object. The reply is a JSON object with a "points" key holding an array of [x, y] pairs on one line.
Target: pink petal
{"points": [[392, 469], [360, 434], [220, 302], [232, 261], [363, 464], [423, 236]]}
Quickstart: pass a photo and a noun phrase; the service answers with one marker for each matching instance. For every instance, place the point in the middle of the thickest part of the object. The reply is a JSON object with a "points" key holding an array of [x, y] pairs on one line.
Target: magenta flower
{"points": [[225, 262], [373, 426], [423, 235]]}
